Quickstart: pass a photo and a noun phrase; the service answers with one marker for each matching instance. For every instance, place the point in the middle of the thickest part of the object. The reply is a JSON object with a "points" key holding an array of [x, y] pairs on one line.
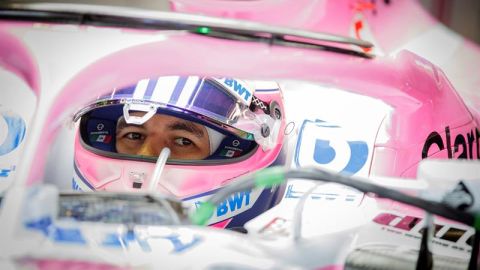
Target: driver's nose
{"points": [[149, 149]]}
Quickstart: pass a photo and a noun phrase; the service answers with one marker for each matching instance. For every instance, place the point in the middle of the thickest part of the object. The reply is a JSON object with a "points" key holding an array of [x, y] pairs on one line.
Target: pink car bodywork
{"points": [[384, 24], [429, 117], [390, 25]]}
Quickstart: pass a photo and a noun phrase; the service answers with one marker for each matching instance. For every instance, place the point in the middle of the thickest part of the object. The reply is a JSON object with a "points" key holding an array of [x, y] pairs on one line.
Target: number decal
{"points": [[331, 147]]}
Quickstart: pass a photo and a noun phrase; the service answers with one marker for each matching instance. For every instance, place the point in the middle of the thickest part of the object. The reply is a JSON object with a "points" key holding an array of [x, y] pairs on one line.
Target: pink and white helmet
{"points": [[243, 126]]}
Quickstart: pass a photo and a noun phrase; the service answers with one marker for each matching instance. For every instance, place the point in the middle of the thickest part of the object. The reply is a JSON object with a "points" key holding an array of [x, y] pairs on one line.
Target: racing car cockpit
{"points": [[168, 121], [185, 136]]}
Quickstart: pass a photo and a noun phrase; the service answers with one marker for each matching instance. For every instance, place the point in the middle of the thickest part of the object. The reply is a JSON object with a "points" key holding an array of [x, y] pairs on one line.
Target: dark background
{"points": [[462, 16]]}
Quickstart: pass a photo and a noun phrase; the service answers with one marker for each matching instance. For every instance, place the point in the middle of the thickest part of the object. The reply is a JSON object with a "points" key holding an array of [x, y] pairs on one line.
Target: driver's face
{"points": [[186, 140]]}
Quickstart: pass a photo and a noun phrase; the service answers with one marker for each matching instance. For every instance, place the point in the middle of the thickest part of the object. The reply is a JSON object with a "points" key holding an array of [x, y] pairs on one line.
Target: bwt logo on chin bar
{"points": [[234, 202], [467, 142]]}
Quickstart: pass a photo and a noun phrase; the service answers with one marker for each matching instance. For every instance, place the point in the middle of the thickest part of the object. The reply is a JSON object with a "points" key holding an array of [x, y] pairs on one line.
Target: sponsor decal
{"points": [[360, 29], [235, 204], [410, 226], [5, 172], [331, 147], [13, 132], [277, 226], [55, 233], [230, 153], [238, 88], [75, 186], [103, 138], [178, 242], [233, 149], [332, 193], [463, 146]]}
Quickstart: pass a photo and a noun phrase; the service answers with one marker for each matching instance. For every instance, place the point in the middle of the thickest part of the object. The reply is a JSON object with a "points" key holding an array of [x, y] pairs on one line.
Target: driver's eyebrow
{"points": [[188, 127], [121, 124]]}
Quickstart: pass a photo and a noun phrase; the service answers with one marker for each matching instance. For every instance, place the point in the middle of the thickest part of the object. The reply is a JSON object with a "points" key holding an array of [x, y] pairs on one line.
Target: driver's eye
{"points": [[183, 141], [134, 136]]}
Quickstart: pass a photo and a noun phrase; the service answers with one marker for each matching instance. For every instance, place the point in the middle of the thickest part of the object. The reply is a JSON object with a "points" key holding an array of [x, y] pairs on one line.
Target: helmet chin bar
{"points": [[149, 110]]}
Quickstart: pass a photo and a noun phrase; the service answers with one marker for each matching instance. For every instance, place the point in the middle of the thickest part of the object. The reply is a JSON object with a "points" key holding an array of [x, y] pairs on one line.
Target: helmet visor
{"points": [[223, 102], [219, 103]]}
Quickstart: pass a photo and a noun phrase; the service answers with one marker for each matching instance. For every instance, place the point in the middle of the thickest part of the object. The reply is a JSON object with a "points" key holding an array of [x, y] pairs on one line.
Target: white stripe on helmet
{"points": [[140, 89], [164, 88], [187, 91]]}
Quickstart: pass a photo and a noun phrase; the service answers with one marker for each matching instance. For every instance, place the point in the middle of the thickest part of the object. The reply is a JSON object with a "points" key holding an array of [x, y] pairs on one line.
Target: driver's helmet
{"points": [[216, 129]]}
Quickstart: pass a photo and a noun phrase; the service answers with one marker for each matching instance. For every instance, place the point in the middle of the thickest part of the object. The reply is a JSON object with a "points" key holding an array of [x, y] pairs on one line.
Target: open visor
{"points": [[219, 103]]}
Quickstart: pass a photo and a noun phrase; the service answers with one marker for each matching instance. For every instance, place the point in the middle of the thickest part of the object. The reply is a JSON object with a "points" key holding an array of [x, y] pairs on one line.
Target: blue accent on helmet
{"points": [[80, 176], [150, 87], [178, 89]]}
